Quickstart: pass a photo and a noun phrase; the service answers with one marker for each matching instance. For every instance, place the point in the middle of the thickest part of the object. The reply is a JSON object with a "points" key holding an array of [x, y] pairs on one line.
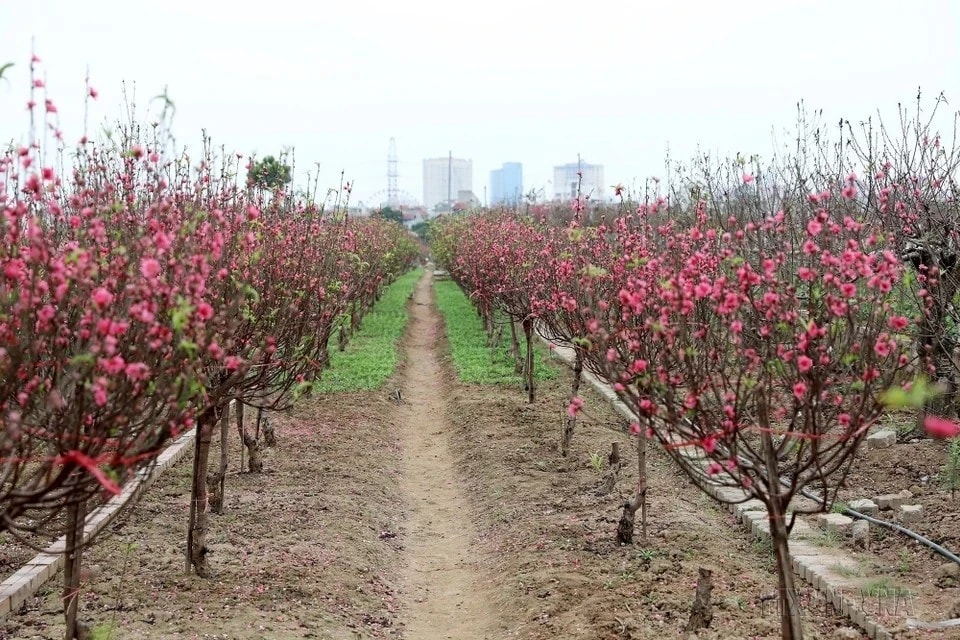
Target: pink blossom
{"points": [[897, 323], [941, 428], [814, 227], [204, 311], [113, 365], [882, 347], [709, 443], [14, 270], [149, 268], [800, 391], [100, 392], [804, 364], [232, 363], [102, 298], [137, 371], [46, 313], [576, 404]]}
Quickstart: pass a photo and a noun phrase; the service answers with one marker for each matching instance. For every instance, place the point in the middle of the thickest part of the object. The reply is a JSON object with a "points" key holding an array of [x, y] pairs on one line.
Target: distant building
{"points": [[467, 199], [506, 184], [444, 179], [566, 181]]}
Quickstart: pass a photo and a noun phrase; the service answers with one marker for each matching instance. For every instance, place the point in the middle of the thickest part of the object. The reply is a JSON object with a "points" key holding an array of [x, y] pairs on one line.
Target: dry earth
{"points": [[450, 515]]}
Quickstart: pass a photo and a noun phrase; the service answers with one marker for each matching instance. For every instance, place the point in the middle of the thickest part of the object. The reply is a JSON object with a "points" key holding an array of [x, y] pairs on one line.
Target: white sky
{"points": [[493, 81]]}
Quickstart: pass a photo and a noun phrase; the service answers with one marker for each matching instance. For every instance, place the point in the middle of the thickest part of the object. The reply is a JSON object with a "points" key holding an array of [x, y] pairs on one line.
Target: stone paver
{"points": [[882, 439], [835, 522], [44, 566], [910, 513], [893, 500], [865, 506]]}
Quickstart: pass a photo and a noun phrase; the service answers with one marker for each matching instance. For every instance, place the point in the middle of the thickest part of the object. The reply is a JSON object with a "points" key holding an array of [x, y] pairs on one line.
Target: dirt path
{"points": [[442, 600]]}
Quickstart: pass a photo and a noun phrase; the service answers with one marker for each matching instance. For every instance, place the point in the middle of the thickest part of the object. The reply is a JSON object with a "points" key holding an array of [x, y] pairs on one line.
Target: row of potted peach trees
{"points": [[754, 349], [139, 295]]}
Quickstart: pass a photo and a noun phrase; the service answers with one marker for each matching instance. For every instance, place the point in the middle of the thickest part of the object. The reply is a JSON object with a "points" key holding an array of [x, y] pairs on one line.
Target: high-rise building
{"points": [[566, 181], [444, 179], [506, 184]]}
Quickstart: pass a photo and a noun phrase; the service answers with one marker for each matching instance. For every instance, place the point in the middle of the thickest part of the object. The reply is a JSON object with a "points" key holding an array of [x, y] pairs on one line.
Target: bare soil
{"points": [[448, 515], [917, 465], [307, 549], [551, 539]]}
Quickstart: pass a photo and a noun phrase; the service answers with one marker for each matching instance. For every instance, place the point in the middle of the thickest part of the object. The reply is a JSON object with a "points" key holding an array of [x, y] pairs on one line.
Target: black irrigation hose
{"points": [[943, 551]]}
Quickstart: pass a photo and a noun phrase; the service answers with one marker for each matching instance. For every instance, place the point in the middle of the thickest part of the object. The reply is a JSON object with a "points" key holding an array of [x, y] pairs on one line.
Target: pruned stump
{"points": [[215, 497], [255, 464], [625, 528], [84, 630], [613, 471], [701, 611]]}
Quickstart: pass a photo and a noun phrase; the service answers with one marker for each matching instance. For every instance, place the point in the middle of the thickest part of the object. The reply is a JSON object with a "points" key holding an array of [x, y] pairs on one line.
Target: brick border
{"points": [[15, 590], [811, 563]]}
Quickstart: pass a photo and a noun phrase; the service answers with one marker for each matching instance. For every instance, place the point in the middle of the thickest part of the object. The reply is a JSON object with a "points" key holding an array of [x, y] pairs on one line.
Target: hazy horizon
{"points": [[613, 82]]}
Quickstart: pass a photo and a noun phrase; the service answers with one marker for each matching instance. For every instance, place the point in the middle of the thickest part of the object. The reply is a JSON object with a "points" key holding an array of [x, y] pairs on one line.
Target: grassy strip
{"points": [[474, 361], [372, 353]]}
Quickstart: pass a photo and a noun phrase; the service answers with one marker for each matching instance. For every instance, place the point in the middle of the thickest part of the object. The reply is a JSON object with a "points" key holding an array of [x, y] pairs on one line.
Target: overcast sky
{"points": [[493, 81]]}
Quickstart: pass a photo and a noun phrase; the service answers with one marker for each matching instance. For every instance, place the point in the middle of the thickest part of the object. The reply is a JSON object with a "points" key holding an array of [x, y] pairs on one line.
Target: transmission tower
{"points": [[393, 192]]}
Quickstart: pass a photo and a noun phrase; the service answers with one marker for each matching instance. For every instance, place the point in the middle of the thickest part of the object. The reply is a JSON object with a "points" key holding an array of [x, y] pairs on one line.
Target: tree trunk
{"points": [[238, 404], [495, 336], [701, 612], [515, 348], [642, 473], [528, 366], [221, 475], [790, 621], [269, 434], [570, 423], [215, 499], [76, 514], [256, 458], [639, 501], [199, 519]]}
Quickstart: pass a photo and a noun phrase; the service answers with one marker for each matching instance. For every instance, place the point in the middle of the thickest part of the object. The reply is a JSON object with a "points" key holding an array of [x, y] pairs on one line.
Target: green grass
{"points": [[473, 360], [372, 354]]}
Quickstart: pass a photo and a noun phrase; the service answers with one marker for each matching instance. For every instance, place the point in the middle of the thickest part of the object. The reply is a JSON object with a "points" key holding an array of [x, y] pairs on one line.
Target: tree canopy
{"points": [[268, 173]]}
